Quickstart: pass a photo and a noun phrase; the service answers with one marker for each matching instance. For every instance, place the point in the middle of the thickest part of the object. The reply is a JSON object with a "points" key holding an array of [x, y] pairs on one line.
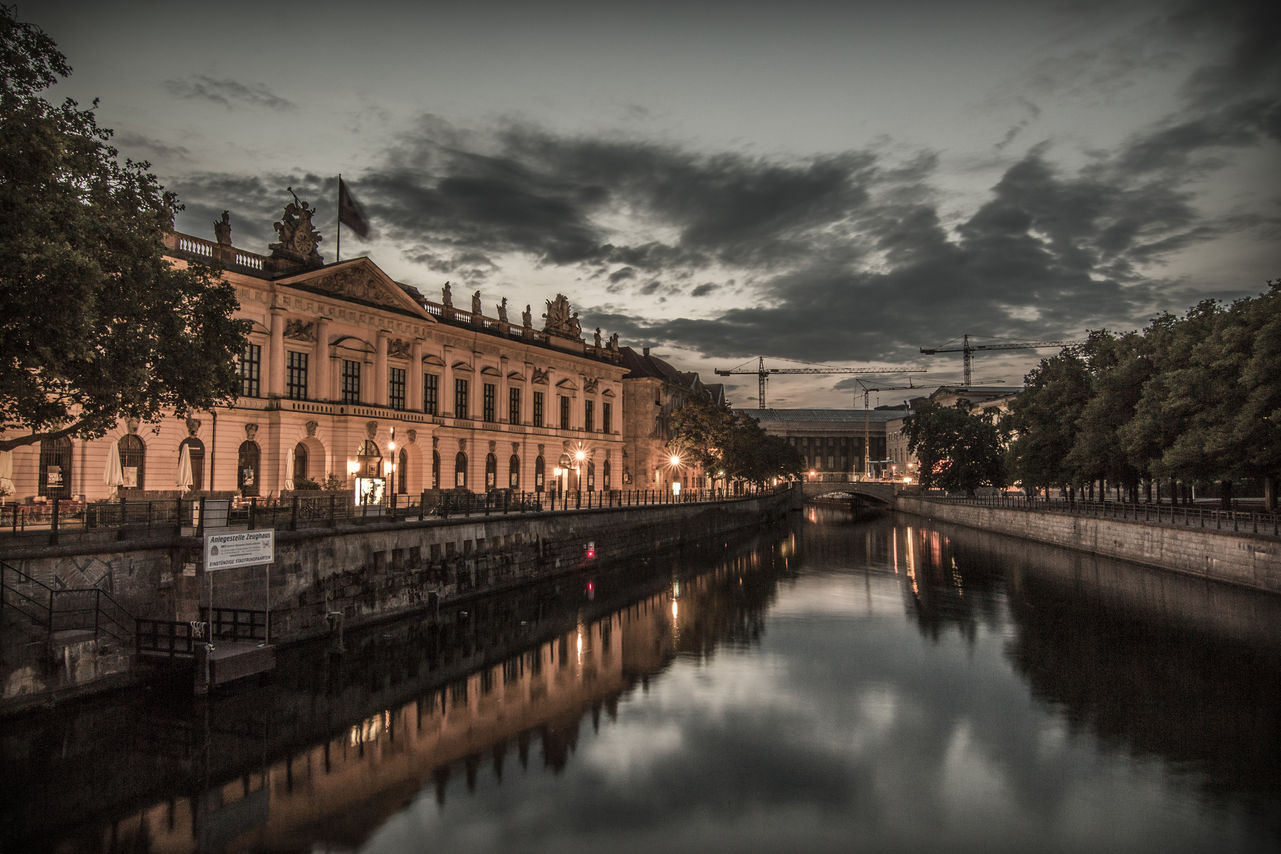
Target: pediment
{"points": [[360, 280]]}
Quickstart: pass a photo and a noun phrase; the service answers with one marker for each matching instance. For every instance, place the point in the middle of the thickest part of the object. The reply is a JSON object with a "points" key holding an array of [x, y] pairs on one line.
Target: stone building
{"points": [[838, 442], [652, 391], [350, 377]]}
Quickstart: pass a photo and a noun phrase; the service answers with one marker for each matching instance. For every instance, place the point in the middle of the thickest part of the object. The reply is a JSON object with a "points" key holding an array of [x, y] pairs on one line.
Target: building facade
{"points": [[652, 391], [351, 379]]}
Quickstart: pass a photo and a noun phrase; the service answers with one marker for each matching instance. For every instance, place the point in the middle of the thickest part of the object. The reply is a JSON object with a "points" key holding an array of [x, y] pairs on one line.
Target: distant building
{"points": [[833, 441]]}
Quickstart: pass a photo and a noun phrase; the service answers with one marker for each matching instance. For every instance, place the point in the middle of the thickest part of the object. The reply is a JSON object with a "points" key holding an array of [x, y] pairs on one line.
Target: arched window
{"points": [[591, 476], [460, 470], [491, 472], [300, 464], [402, 469], [55, 468], [435, 469], [540, 474], [513, 472], [196, 451], [605, 473], [370, 459], [133, 461], [247, 468]]}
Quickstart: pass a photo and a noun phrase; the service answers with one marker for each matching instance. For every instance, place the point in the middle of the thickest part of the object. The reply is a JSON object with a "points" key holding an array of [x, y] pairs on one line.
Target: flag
{"points": [[350, 213]]}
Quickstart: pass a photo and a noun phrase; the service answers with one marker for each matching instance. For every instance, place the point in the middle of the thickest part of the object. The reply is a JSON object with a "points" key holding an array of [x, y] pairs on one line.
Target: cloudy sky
{"points": [[815, 182]]}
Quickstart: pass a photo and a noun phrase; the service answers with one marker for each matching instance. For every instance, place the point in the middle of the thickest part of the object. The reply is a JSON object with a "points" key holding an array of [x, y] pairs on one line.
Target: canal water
{"points": [[831, 685]]}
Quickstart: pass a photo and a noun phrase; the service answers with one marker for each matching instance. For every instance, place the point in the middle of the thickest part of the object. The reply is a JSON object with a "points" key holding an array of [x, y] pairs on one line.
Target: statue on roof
{"points": [[560, 321], [222, 229], [446, 296], [475, 303], [502, 310], [298, 237]]}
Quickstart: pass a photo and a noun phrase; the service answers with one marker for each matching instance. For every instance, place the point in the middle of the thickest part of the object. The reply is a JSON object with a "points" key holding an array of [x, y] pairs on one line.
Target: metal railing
{"points": [[1204, 518], [59, 610], [294, 511]]}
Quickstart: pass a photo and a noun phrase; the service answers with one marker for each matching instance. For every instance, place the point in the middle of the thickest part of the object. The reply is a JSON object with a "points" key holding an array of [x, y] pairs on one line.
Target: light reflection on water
{"points": [[885, 686]]}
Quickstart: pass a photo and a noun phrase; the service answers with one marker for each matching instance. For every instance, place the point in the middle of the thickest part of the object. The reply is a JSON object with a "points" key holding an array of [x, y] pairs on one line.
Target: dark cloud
{"points": [[230, 93]]}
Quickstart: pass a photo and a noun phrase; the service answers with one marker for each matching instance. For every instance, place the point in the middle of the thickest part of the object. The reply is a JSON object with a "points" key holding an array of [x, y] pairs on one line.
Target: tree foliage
{"points": [[95, 323], [958, 451], [722, 440], [1195, 399]]}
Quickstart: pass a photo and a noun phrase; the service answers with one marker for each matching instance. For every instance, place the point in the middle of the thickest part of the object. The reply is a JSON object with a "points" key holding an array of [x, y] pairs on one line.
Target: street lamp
{"points": [[391, 449]]}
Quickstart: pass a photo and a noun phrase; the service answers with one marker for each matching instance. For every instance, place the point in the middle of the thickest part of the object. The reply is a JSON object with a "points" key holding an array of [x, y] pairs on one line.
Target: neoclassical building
{"points": [[350, 375]]}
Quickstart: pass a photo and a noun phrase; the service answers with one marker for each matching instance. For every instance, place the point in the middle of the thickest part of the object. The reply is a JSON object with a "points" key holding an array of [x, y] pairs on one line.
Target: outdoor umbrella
{"points": [[184, 480], [289, 470], [113, 475]]}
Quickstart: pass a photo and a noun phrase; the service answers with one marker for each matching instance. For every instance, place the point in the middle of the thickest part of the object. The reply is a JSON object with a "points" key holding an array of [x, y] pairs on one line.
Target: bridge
{"points": [[880, 492]]}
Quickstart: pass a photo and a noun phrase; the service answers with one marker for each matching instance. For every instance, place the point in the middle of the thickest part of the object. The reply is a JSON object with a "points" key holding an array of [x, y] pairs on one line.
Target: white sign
{"points": [[243, 548]]}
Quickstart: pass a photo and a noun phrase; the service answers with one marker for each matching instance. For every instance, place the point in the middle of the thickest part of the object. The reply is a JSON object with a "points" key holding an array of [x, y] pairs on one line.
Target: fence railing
{"points": [[54, 610], [297, 511], [1205, 518]]}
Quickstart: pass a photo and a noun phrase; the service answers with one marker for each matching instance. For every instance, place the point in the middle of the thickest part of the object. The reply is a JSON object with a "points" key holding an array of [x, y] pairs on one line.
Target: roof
{"points": [[831, 416]]}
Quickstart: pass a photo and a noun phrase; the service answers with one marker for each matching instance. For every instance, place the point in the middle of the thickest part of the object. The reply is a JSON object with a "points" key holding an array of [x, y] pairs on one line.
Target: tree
{"points": [[1119, 367], [95, 323], [1257, 427], [958, 451], [1043, 419], [721, 440]]}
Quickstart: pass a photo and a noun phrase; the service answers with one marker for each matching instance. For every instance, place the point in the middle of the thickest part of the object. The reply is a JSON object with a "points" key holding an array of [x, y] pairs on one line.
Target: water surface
{"points": [[833, 686]]}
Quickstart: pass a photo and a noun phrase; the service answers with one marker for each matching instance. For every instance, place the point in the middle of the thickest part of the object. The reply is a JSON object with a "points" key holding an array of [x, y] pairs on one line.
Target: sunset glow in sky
{"points": [[822, 182]]}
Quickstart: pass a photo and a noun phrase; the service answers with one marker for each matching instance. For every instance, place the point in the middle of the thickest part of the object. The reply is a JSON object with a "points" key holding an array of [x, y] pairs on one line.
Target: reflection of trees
{"points": [[1167, 665], [1173, 691]]}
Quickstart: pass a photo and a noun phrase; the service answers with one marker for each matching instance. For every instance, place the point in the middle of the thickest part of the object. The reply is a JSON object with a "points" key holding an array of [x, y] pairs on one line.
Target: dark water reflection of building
{"points": [[1153, 664], [332, 747]]}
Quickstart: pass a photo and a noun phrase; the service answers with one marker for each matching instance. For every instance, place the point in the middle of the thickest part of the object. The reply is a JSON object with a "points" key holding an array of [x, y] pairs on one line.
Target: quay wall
{"points": [[354, 576], [1225, 556]]}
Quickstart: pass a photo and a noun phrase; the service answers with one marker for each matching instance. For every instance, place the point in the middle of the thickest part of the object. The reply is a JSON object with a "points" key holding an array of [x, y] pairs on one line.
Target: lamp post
{"points": [[674, 461], [391, 448]]}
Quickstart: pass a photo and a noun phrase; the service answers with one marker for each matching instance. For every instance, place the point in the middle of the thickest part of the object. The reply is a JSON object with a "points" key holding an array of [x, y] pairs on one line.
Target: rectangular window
{"points": [[431, 394], [513, 406], [489, 401], [607, 417], [564, 412], [589, 415], [460, 398], [350, 381], [296, 376], [250, 368], [396, 388], [538, 408]]}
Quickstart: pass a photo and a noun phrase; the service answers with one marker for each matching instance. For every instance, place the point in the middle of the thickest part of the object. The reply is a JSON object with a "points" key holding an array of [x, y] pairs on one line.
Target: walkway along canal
{"points": [[323, 580]]}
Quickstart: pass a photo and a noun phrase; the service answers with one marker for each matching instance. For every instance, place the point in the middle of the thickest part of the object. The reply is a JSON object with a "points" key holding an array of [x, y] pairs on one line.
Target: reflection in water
{"points": [[893, 685]]}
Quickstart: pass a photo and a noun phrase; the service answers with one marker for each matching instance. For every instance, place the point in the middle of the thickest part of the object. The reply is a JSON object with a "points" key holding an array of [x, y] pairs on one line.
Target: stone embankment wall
{"points": [[358, 575], [1234, 558]]}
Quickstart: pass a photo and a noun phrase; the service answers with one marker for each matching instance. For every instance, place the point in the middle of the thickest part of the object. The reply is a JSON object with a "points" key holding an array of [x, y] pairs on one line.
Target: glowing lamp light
{"points": [[675, 460]]}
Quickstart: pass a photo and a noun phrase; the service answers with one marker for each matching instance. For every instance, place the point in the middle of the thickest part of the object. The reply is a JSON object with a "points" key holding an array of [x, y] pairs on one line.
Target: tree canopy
{"points": [[722, 440], [95, 323], [1195, 398], [958, 450]]}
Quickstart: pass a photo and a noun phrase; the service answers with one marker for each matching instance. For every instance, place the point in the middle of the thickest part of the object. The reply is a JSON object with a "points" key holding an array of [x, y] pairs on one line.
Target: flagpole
{"points": [[338, 246]]}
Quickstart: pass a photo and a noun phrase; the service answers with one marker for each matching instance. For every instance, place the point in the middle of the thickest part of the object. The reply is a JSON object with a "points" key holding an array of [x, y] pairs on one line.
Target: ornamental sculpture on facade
{"points": [[298, 238]]}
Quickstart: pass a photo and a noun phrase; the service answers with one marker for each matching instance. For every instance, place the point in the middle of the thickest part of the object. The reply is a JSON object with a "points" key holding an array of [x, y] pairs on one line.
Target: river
{"points": [[831, 685]]}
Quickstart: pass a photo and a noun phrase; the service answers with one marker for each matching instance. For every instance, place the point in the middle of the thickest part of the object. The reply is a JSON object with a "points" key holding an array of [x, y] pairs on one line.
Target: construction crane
{"points": [[762, 373], [867, 421], [967, 350]]}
